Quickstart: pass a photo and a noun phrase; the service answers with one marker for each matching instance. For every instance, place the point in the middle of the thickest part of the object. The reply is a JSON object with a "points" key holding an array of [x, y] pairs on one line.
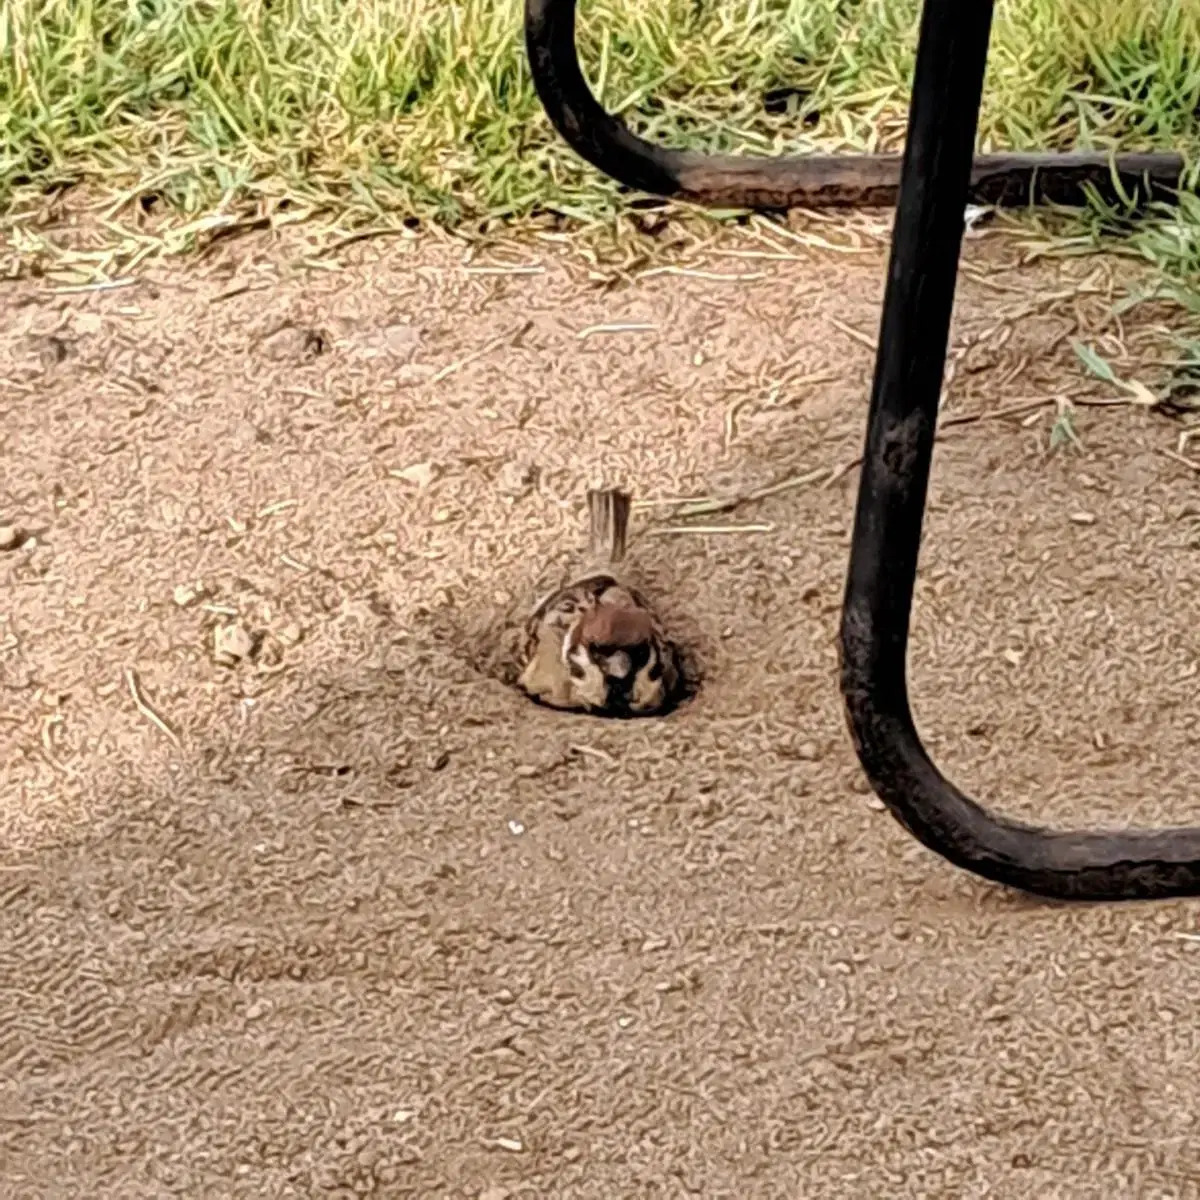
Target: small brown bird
{"points": [[594, 644]]}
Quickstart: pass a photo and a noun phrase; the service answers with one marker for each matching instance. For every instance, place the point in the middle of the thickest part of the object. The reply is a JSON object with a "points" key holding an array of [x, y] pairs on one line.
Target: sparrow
{"points": [[594, 644]]}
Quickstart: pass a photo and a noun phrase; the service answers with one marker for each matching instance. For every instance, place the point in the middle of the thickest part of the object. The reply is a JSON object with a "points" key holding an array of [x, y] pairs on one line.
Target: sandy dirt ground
{"points": [[345, 915]]}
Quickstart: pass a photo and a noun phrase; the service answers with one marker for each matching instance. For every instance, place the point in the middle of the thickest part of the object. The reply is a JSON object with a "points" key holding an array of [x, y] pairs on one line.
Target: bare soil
{"points": [[357, 919]]}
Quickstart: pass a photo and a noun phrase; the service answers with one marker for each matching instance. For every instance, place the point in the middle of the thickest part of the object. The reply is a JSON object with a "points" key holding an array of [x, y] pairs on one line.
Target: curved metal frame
{"points": [[934, 184], [811, 180]]}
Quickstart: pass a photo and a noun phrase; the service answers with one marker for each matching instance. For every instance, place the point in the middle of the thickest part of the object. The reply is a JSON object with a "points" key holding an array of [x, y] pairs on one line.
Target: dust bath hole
{"points": [[494, 648]]}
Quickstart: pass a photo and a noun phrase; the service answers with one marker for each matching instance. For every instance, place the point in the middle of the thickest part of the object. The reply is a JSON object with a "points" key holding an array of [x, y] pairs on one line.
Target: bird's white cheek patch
{"points": [[618, 665], [569, 645]]}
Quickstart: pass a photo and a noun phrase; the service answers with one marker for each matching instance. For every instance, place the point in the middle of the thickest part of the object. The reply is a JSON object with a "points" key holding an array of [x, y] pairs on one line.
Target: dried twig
{"points": [[48, 723], [618, 327], [706, 508], [476, 355], [695, 273], [864, 339], [140, 703], [668, 530], [1190, 463], [592, 752]]}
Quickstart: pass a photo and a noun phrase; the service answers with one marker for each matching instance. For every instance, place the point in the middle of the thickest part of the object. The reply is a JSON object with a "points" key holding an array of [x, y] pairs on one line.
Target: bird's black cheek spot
{"points": [[577, 671], [655, 671]]}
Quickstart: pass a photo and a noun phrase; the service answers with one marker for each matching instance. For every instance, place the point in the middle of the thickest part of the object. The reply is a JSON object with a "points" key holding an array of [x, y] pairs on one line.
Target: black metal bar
{"points": [[917, 308], [812, 181]]}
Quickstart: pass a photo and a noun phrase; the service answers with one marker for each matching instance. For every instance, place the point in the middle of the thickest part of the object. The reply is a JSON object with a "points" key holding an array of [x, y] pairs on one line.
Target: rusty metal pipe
{"points": [[806, 181]]}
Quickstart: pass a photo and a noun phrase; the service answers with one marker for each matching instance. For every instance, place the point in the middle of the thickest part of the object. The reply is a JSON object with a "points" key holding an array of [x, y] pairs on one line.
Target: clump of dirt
{"points": [[488, 633]]}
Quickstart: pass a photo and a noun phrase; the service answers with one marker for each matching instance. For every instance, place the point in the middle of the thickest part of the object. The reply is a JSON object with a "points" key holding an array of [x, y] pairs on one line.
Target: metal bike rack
{"points": [[931, 184]]}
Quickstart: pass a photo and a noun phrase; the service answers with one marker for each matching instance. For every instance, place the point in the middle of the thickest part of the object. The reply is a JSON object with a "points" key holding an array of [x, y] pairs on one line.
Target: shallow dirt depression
{"points": [[350, 916], [489, 630]]}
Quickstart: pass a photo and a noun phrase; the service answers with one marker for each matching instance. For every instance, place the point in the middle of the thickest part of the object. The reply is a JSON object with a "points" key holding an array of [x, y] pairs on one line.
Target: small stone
{"points": [[231, 644], [808, 752], [419, 474], [516, 828], [290, 634], [516, 477], [402, 1116], [10, 537], [1083, 518], [875, 804], [401, 339], [294, 343], [512, 1145], [188, 593]]}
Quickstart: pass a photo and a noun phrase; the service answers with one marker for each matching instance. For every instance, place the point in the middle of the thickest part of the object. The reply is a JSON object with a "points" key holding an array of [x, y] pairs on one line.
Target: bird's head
{"points": [[616, 659]]}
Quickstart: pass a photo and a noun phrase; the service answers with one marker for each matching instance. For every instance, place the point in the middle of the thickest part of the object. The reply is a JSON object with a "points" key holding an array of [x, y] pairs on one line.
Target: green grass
{"points": [[379, 110]]}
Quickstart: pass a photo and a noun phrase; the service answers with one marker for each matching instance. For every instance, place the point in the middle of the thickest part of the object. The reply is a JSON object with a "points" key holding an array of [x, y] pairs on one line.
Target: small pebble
{"points": [[1083, 518], [188, 593], [10, 537], [231, 644], [516, 477], [419, 474], [290, 634]]}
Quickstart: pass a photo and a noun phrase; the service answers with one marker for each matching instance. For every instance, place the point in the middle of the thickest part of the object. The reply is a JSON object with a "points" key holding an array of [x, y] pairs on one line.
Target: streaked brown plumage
{"points": [[594, 644]]}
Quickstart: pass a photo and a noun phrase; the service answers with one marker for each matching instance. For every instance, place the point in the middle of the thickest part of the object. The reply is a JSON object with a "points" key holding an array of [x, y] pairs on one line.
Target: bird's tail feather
{"points": [[608, 524]]}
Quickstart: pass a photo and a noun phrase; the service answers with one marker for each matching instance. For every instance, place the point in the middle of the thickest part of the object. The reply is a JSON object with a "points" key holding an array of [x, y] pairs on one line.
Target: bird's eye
{"points": [[576, 669], [655, 670]]}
